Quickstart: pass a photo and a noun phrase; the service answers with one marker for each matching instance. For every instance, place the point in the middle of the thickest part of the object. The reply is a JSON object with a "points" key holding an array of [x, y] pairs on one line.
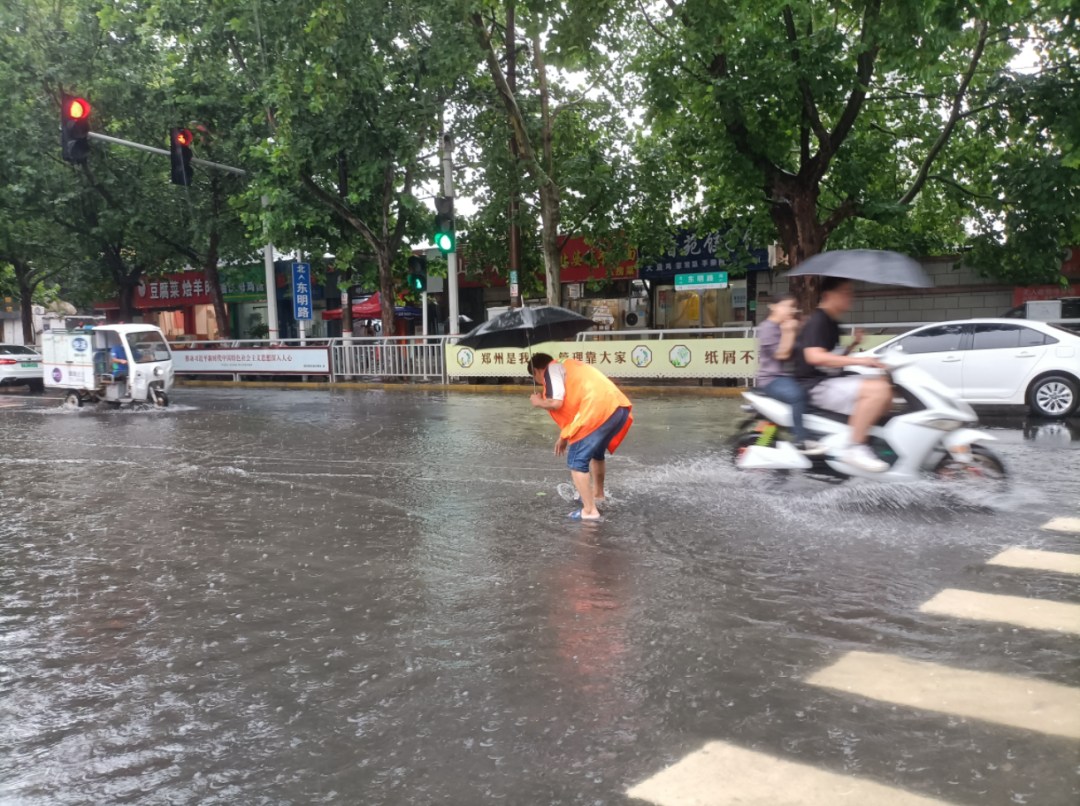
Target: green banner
{"points": [[243, 283]]}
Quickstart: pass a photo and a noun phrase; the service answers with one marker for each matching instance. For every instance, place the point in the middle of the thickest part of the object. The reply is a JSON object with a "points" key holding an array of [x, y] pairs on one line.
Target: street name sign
{"points": [[701, 282], [301, 291]]}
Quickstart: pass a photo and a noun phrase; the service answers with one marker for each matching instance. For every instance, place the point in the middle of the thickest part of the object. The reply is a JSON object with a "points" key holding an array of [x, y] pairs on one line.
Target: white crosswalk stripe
{"points": [[1038, 560], [1063, 525], [1019, 702], [1034, 614], [721, 774]]}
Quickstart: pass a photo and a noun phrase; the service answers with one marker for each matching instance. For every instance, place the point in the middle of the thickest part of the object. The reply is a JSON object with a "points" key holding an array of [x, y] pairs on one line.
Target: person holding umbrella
{"points": [[593, 416], [818, 363]]}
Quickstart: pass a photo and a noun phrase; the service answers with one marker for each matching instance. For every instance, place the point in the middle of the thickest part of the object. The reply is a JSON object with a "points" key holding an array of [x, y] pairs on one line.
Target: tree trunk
{"points": [[550, 211], [549, 239], [515, 231], [386, 291], [26, 307], [794, 212], [127, 301], [25, 280], [213, 283]]}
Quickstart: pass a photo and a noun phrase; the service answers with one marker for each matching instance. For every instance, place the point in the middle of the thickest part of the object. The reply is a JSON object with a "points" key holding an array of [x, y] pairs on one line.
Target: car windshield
{"points": [[15, 349], [148, 346]]}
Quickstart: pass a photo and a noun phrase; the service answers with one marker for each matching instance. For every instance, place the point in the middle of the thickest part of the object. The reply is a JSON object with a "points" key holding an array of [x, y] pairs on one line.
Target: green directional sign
{"points": [[701, 282]]}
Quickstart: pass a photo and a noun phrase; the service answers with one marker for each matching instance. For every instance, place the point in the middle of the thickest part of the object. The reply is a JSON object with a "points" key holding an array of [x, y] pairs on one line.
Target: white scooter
{"points": [[928, 431]]}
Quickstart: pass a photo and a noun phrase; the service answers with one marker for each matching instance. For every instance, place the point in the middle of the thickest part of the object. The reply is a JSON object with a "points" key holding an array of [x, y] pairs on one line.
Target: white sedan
{"points": [[999, 361], [21, 366]]}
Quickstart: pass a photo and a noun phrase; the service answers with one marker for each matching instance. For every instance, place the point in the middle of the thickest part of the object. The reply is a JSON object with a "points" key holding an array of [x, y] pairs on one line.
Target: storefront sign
{"points": [[711, 252], [254, 361], [628, 358], [1039, 293], [582, 261], [243, 283], [701, 282], [173, 291]]}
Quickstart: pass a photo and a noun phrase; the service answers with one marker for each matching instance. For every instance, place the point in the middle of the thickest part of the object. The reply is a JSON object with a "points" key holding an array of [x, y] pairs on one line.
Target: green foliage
{"points": [[828, 126]]}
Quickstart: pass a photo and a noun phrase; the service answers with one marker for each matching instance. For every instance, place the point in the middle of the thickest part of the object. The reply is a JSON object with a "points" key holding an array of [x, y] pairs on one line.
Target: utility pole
{"points": [[515, 231], [301, 323], [451, 258], [271, 284]]}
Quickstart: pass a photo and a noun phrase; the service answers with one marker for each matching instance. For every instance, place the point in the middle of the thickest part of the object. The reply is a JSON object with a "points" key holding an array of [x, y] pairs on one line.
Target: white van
{"points": [[112, 363]]}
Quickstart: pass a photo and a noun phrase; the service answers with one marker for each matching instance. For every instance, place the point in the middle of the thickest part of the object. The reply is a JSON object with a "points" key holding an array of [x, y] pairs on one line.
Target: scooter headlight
{"points": [[944, 425]]}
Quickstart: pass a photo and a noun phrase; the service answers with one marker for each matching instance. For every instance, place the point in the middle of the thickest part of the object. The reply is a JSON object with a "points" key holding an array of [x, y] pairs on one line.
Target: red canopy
{"points": [[370, 308]]}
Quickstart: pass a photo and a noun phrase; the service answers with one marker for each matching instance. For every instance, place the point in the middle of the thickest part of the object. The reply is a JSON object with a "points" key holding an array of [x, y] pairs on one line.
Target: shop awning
{"points": [[371, 308]]}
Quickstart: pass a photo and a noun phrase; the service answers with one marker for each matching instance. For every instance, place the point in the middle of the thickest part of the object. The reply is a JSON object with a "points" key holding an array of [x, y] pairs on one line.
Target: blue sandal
{"points": [[576, 516]]}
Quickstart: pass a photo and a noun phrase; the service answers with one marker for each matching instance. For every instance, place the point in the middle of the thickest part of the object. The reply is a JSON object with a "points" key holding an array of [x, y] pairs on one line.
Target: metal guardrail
{"points": [[357, 357], [425, 356], [659, 334], [388, 358]]}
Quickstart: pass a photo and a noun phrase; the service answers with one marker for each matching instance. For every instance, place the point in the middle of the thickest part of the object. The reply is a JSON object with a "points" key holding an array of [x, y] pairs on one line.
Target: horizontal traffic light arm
{"points": [[194, 160]]}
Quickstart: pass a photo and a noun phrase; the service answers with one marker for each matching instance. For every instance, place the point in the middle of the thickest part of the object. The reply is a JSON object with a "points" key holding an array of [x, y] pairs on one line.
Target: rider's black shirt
{"points": [[820, 331]]}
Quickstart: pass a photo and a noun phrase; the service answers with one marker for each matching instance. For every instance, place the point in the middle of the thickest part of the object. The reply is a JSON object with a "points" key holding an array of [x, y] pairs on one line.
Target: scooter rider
{"points": [[864, 399], [776, 336]]}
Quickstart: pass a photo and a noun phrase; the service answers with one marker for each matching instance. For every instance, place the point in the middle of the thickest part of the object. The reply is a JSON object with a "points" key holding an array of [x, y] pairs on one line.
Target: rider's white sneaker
{"points": [[863, 458], [811, 448]]}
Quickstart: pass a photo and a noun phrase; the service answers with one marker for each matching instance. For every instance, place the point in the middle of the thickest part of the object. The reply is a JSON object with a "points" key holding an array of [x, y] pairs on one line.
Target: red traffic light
{"points": [[78, 109], [183, 137]]}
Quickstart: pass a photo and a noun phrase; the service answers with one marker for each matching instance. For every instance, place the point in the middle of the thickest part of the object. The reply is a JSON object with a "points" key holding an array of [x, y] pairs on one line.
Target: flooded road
{"points": [[267, 597]]}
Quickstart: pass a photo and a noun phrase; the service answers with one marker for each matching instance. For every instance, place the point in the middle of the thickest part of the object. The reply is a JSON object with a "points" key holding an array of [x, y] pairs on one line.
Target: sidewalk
{"points": [[511, 389]]}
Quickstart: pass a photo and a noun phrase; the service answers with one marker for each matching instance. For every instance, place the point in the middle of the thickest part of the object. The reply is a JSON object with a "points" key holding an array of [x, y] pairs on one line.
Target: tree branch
{"points": [[847, 209], [399, 225], [864, 72], [649, 22], [186, 251], [946, 132], [570, 232], [961, 188], [341, 210], [517, 121], [810, 109]]}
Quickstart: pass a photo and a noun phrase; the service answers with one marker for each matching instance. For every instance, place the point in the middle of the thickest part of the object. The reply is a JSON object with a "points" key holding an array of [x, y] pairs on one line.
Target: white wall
{"points": [[958, 293]]}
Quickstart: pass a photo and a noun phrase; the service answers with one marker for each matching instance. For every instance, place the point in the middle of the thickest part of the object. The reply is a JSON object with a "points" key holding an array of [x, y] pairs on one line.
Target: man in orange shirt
{"points": [[593, 417]]}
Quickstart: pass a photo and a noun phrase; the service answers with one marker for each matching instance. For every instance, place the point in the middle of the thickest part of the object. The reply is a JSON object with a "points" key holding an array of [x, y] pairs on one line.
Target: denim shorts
{"points": [[595, 445]]}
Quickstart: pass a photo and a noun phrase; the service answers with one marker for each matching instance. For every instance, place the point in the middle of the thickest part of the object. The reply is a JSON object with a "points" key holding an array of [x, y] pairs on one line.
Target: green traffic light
{"points": [[416, 282], [445, 242]]}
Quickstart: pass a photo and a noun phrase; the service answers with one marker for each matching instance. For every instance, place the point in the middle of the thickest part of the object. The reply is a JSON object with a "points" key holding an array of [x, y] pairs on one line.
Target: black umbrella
{"points": [[521, 328], [868, 265]]}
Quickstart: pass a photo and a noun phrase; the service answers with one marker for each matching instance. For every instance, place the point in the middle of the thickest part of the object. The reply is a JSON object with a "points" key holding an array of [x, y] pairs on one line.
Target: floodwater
{"points": [[271, 597]]}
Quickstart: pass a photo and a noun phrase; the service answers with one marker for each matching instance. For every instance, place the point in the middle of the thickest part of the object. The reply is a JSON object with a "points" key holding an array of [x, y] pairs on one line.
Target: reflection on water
{"points": [[298, 597]]}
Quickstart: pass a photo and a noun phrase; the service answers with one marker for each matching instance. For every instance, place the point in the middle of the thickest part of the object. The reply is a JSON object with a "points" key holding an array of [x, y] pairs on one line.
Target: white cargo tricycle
{"points": [[115, 364]]}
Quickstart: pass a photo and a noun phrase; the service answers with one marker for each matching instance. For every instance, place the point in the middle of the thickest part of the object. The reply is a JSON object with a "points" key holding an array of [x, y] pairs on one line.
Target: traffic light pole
{"points": [[217, 166], [451, 259], [268, 250]]}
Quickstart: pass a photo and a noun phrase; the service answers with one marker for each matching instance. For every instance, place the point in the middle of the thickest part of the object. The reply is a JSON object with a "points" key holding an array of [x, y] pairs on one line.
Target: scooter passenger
{"points": [[864, 399], [776, 336]]}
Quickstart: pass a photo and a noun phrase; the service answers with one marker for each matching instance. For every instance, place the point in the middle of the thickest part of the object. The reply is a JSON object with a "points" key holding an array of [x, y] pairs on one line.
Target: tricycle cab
{"points": [[114, 363]]}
